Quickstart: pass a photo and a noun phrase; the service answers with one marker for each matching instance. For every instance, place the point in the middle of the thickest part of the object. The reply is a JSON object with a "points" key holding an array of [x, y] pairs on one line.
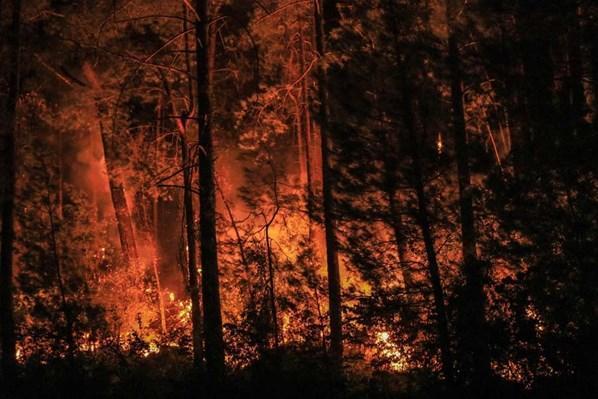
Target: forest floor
{"points": [[166, 376]]}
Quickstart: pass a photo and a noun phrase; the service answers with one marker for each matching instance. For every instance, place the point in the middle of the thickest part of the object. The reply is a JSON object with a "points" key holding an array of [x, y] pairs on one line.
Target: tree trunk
{"points": [[579, 106], [271, 287], [593, 44], [473, 303], [117, 189], [408, 117], [214, 346], [305, 130], [395, 219], [7, 200], [121, 209], [154, 225], [334, 283], [192, 257], [435, 279], [156, 268], [427, 233], [398, 229], [538, 79], [516, 118], [189, 209], [66, 307]]}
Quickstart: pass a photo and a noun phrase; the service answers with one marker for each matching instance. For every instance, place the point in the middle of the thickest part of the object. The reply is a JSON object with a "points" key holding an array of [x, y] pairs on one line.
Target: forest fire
{"points": [[392, 353], [298, 199]]}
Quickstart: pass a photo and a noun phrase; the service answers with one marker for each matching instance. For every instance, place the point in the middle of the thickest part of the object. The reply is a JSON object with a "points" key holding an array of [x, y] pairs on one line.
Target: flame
{"points": [[153, 348], [184, 310], [388, 350]]}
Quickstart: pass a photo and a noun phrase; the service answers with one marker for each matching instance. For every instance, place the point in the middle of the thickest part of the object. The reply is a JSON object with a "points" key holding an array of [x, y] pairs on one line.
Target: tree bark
{"points": [[305, 130], [593, 44], [66, 306], [398, 229], [194, 289], [7, 200], [435, 279], [427, 233], [192, 258], [155, 222], [121, 209], [214, 346], [579, 106], [474, 301], [334, 284], [117, 189], [516, 113], [395, 219], [156, 268], [271, 287], [537, 79], [408, 116]]}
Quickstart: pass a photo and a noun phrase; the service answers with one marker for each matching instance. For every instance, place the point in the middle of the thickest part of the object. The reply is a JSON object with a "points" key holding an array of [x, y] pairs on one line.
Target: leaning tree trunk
{"points": [[473, 301], [7, 200], [119, 201], [117, 189], [334, 283], [408, 116], [214, 346], [425, 225], [395, 219], [434, 271]]}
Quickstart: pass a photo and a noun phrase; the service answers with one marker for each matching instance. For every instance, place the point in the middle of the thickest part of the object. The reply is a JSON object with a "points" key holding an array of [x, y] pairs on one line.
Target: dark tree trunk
{"points": [[119, 202], [400, 237], [214, 346], [305, 129], [593, 44], [395, 218], [188, 169], [517, 121], [473, 334], [156, 267], [425, 225], [7, 200], [66, 306], [577, 97], [117, 189], [192, 257], [434, 271], [322, 7], [538, 78], [408, 116], [272, 288]]}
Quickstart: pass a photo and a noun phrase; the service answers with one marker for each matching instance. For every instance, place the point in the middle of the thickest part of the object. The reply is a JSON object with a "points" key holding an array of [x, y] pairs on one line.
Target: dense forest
{"points": [[358, 199]]}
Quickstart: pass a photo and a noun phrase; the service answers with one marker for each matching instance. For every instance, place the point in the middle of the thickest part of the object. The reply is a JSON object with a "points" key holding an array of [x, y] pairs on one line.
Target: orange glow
{"points": [[391, 352]]}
